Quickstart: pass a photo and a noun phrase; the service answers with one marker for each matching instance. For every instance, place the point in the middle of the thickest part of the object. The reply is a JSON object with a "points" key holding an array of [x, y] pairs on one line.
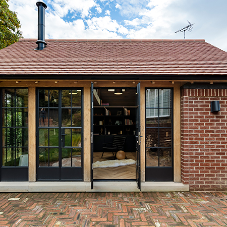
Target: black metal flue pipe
{"points": [[41, 25]]}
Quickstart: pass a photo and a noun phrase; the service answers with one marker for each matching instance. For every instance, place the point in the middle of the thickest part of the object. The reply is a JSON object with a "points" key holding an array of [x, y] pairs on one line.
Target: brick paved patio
{"points": [[114, 209]]}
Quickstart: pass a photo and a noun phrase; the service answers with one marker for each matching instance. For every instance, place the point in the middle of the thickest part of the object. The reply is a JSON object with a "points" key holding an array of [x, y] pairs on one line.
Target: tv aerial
{"points": [[187, 28]]}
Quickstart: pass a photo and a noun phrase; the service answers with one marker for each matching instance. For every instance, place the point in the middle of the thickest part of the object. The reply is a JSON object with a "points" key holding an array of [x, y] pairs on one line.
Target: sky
{"points": [[126, 19]]}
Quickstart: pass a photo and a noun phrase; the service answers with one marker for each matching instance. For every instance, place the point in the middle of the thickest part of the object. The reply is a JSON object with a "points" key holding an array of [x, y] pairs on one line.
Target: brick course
{"points": [[203, 139]]}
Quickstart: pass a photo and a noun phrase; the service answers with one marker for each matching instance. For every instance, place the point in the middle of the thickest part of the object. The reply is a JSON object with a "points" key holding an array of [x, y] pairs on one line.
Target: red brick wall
{"points": [[204, 139]]}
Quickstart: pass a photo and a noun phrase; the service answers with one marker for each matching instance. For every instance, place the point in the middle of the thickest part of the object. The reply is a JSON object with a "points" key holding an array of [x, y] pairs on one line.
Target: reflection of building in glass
{"points": [[15, 127], [158, 128]]}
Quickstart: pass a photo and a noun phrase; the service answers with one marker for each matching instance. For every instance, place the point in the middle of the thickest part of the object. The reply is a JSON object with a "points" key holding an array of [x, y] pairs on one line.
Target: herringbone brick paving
{"points": [[114, 209]]}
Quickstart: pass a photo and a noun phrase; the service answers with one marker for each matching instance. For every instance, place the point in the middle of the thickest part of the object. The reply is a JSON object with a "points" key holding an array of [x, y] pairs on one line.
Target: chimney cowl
{"points": [[41, 4], [41, 25]]}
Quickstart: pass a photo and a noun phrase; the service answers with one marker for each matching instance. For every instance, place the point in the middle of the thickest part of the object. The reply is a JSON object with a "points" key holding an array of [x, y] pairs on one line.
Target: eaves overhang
{"points": [[67, 76]]}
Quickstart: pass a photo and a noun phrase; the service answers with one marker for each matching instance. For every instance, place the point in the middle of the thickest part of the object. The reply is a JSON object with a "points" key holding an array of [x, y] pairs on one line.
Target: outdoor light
{"points": [[118, 91], [214, 106]]}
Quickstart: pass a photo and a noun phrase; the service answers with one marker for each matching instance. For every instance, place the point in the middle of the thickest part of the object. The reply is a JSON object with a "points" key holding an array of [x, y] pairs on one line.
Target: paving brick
{"points": [[111, 210]]}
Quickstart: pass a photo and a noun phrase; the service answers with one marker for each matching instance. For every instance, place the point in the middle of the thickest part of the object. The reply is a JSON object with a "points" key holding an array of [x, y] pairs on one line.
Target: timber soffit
{"points": [[136, 58]]}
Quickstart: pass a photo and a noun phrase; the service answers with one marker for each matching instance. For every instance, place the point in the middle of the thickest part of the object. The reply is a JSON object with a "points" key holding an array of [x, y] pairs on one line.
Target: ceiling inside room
{"points": [[107, 96]]}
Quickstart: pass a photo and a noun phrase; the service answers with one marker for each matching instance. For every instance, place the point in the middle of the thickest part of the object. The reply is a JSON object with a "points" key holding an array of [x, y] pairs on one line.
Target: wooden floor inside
{"points": [[127, 172]]}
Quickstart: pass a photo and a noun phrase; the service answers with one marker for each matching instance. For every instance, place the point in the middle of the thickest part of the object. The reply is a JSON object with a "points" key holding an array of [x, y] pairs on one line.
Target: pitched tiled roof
{"points": [[113, 57]]}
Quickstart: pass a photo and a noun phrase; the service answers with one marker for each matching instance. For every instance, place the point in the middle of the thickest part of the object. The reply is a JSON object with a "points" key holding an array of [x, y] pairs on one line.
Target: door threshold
{"points": [[114, 180], [115, 186]]}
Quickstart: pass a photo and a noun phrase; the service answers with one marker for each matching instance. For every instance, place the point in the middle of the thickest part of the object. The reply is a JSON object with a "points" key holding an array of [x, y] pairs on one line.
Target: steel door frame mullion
{"points": [[60, 130], [138, 161], [14, 119], [71, 126], [92, 132]]}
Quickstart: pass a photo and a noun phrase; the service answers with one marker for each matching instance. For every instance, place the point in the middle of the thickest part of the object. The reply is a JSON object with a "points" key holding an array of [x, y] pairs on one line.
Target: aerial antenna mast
{"points": [[187, 28]]}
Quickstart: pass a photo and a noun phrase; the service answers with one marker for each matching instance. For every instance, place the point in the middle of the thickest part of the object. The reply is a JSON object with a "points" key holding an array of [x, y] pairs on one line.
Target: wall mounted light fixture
{"points": [[214, 106]]}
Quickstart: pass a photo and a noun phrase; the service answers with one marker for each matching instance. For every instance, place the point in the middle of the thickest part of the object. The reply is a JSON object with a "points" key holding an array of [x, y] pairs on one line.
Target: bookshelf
{"points": [[114, 120]]}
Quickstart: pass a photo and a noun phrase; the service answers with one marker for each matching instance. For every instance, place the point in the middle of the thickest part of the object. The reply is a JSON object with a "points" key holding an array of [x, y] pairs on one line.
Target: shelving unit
{"points": [[114, 120]]}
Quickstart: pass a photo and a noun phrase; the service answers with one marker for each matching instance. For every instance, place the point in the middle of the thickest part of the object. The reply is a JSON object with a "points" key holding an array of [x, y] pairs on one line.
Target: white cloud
{"points": [[99, 9], [131, 8], [134, 22], [56, 27], [118, 6], [17, 3], [107, 12], [153, 21], [67, 29], [97, 27], [63, 7], [27, 14], [122, 30], [103, 23]]}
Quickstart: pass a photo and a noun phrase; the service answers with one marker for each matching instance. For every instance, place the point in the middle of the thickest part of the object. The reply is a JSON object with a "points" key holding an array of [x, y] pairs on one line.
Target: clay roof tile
{"points": [[119, 56]]}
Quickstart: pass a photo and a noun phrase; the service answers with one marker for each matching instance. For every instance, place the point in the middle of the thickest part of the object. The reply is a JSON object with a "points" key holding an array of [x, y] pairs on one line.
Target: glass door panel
{"points": [[159, 136], [14, 134], [60, 135], [92, 134]]}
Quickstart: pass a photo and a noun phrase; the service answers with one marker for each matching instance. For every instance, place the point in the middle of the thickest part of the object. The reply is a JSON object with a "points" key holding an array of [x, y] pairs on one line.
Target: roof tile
{"points": [[121, 56]]}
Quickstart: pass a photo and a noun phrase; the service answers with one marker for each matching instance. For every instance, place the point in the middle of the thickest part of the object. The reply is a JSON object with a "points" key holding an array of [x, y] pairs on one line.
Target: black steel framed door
{"points": [[159, 134], [92, 130], [138, 140], [59, 134]]}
